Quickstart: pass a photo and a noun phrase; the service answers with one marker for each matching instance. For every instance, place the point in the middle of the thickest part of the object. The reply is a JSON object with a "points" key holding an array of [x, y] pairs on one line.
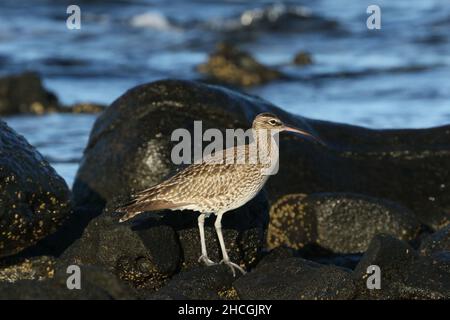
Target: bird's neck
{"points": [[267, 145]]}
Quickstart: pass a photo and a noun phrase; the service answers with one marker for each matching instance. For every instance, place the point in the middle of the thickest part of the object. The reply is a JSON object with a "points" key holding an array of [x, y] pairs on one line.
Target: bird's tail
{"points": [[136, 207], [130, 210]]}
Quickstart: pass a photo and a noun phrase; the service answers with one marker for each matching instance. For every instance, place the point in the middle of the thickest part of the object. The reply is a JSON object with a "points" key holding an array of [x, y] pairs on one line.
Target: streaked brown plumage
{"points": [[218, 184]]}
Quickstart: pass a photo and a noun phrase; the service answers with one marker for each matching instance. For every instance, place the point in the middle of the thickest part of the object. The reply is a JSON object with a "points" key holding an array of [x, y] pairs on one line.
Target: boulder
{"points": [[129, 149], [34, 199], [303, 58], [279, 253], [295, 279], [338, 222], [394, 258], [96, 284], [146, 254], [144, 258], [25, 93], [232, 66], [428, 278], [205, 283]]}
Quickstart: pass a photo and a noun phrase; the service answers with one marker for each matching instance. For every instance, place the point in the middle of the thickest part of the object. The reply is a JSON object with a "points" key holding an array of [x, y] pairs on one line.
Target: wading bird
{"points": [[218, 184]]}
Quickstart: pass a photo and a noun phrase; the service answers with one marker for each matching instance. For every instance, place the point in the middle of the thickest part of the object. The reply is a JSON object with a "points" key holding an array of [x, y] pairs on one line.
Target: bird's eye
{"points": [[273, 122]]}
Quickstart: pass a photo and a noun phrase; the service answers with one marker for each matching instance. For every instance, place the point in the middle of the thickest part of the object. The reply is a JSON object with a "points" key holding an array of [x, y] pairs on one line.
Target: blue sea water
{"points": [[395, 77]]}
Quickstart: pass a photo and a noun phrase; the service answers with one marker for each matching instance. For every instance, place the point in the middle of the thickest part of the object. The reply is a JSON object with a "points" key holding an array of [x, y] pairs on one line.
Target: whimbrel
{"points": [[217, 187]]}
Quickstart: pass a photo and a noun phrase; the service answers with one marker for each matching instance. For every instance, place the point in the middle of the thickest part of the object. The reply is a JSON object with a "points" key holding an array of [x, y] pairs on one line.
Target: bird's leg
{"points": [[201, 227], [226, 259]]}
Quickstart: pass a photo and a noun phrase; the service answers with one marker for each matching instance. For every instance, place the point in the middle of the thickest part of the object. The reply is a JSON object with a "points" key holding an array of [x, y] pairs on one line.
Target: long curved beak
{"points": [[304, 133]]}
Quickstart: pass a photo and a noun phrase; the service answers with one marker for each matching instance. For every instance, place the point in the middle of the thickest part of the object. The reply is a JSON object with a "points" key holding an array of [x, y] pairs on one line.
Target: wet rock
{"points": [[303, 59], [437, 242], [96, 283], [338, 222], [294, 279], [36, 268], [232, 66], [410, 167], [25, 93], [393, 257], [204, 283], [145, 258], [34, 199]]}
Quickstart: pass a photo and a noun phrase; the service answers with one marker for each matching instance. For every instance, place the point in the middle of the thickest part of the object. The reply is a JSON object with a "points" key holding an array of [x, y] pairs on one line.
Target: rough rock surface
{"points": [[232, 66], [199, 283], [404, 274], [294, 279], [411, 167], [145, 258], [36, 268], [134, 251], [339, 222], [394, 257], [428, 278], [243, 247], [96, 284], [34, 199]]}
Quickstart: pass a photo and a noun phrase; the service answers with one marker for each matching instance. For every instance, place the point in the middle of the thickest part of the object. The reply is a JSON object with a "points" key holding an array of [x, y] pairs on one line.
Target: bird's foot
{"points": [[233, 266], [208, 262]]}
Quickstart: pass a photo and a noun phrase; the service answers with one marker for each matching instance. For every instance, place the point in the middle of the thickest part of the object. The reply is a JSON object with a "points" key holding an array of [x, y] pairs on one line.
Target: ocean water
{"points": [[395, 77]]}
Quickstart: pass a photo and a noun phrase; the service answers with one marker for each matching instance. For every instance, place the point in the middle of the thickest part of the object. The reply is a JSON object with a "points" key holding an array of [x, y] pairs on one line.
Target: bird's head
{"points": [[271, 122]]}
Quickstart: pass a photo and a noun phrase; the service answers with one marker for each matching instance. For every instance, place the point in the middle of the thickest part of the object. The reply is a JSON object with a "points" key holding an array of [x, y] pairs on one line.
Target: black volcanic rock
{"points": [[428, 278], [129, 150], [235, 67], [14, 269], [25, 93], [338, 222], [394, 258], [145, 258], [34, 199], [96, 284], [198, 283], [296, 279], [243, 247], [404, 274], [303, 58]]}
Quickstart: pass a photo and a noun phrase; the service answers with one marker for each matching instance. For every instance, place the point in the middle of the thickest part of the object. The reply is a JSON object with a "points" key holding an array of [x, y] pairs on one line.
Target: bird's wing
{"points": [[196, 184]]}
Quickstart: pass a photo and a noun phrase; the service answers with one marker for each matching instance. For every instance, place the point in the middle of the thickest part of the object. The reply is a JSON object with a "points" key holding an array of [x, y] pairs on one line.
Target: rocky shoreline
{"points": [[25, 93], [371, 197]]}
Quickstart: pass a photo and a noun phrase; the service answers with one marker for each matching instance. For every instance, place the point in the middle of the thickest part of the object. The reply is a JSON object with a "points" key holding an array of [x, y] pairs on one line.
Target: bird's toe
{"points": [[205, 260], [233, 266]]}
